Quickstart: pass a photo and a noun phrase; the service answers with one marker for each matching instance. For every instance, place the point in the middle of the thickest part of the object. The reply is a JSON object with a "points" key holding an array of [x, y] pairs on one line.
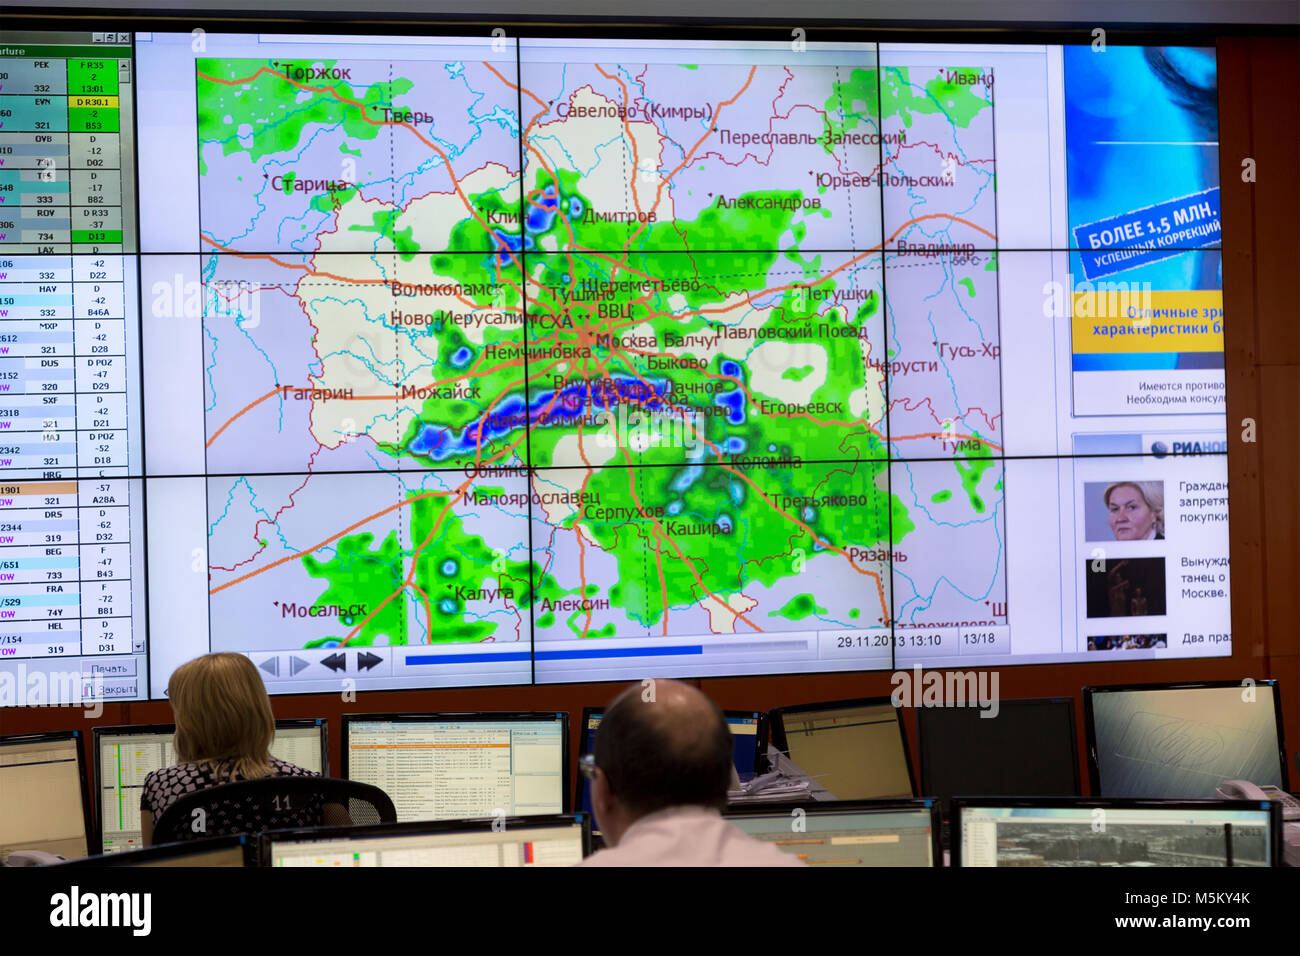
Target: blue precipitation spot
{"points": [[771, 447], [541, 212], [688, 477], [724, 522], [575, 207], [328, 644], [439, 442], [508, 245], [737, 490], [460, 358], [674, 508], [448, 568], [735, 399], [734, 402], [808, 514], [447, 606], [735, 445]]}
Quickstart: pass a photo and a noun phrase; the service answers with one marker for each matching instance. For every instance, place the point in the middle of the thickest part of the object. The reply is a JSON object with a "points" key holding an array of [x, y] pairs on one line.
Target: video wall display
{"points": [[420, 361]]}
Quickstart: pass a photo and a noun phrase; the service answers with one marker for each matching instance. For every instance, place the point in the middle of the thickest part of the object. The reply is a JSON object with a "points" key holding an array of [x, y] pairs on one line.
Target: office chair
{"points": [[271, 803]]}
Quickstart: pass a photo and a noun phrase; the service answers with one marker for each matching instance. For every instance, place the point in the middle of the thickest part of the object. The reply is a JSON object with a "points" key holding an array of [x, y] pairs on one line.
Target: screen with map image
{"points": [[502, 360]]}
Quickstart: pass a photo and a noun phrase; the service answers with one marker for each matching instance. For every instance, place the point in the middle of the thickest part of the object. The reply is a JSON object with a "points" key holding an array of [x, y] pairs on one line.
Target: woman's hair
{"points": [[1152, 492], [223, 716]]}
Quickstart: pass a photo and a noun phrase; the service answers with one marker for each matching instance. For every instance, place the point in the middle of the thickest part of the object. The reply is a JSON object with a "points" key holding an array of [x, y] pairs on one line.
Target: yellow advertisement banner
{"points": [[1132, 319]]}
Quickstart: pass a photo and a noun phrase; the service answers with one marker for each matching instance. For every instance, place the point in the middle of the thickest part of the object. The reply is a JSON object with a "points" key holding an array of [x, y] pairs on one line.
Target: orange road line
{"points": [[249, 407], [334, 537]]}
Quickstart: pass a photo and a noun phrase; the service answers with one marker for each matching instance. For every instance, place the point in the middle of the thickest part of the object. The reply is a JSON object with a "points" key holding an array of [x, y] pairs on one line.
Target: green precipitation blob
{"points": [[579, 285], [474, 256], [384, 225], [852, 102], [857, 100], [575, 623], [456, 570], [727, 534], [270, 105], [939, 497], [359, 574], [968, 285], [971, 463], [494, 366], [286, 182], [798, 607], [954, 99]]}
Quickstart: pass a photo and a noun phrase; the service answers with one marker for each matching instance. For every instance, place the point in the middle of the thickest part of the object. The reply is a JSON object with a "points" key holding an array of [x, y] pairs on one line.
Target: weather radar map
{"points": [[608, 361]]}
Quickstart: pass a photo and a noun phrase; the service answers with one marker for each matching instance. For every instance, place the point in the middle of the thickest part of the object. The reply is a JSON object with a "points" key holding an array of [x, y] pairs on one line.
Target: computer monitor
{"points": [[848, 832], [43, 794], [125, 755], [225, 851], [1183, 740], [855, 749], [747, 731], [1062, 831], [561, 839], [459, 766], [1027, 750]]}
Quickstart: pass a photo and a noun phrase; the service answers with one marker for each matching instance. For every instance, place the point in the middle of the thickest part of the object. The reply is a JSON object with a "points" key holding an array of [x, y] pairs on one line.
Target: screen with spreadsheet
{"points": [[42, 803], [1115, 833], [517, 843], [455, 766], [124, 756], [852, 834]]}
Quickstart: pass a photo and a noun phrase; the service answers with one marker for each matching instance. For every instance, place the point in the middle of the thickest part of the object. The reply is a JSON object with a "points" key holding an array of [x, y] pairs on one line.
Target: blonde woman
{"points": [[224, 729], [1136, 510]]}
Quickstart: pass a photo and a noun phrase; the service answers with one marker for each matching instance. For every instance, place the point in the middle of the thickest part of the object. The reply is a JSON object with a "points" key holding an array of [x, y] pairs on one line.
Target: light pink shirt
{"points": [[689, 836]]}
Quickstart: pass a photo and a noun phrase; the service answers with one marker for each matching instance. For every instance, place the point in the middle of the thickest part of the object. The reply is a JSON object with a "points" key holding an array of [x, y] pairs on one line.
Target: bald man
{"points": [[662, 765]]}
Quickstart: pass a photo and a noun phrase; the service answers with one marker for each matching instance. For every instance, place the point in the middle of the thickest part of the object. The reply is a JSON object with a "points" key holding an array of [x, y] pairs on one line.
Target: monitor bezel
{"points": [[1069, 705], [1090, 729], [776, 726], [823, 807], [166, 851], [566, 795], [409, 827], [79, 741], [1273, 808], [97, 733]]}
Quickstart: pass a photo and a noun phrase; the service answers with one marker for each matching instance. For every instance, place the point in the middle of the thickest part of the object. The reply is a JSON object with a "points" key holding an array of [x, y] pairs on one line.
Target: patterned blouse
{"points": [[164, 787]]}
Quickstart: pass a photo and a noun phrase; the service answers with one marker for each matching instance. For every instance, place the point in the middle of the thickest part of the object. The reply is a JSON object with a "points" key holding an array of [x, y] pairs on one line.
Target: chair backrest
{"points": [[272, 803]]}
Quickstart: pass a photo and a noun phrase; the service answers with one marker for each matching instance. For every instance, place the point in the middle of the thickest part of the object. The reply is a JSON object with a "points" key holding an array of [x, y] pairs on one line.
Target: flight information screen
{"points": [[71, 515], [432, 361]]}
